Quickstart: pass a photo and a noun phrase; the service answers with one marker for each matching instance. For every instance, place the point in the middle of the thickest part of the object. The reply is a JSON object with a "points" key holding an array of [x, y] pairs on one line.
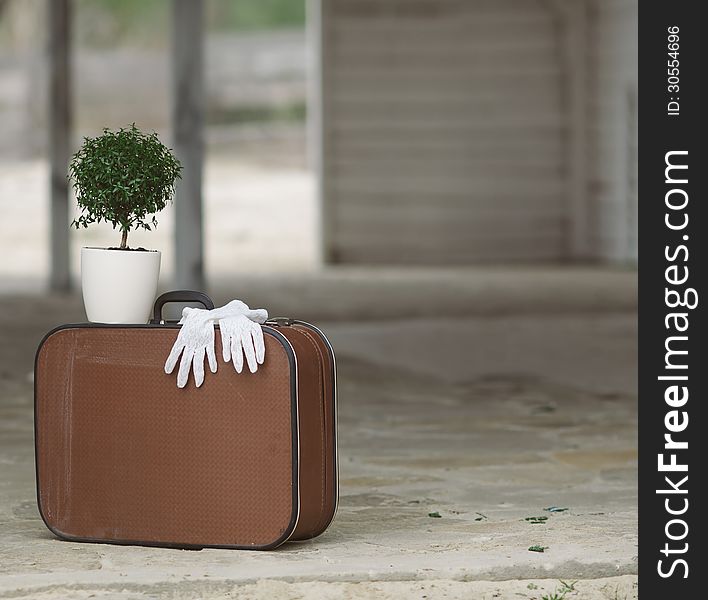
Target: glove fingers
{"points": [[171, 361], [198, 366], [211, 357], [184, 366], [249, 351], [258, 343], [237, 353], [225, 343]]}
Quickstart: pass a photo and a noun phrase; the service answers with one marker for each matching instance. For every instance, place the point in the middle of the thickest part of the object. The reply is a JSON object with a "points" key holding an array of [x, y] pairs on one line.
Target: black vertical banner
{"points": [[673, 365]]}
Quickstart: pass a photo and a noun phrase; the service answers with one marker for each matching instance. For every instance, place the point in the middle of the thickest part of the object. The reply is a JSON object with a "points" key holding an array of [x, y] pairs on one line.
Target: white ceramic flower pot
{"points": [[119, 286]]}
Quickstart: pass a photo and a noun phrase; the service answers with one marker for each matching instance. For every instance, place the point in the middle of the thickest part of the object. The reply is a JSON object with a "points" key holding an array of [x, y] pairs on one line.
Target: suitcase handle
{"points": [[181, 296]]}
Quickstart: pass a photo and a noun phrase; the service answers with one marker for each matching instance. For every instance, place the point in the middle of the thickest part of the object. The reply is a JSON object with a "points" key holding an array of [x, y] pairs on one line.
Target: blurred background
{"points": [[258, 190], [447, 187], [405, 132]]}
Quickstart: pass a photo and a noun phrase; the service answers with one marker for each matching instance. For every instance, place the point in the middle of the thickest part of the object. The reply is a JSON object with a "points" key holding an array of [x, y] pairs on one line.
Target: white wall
{"points": [[447, 131]]}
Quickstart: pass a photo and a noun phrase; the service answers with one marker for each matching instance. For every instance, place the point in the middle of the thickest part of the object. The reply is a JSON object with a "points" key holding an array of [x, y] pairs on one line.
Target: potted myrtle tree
{"points": [[124, 178]]}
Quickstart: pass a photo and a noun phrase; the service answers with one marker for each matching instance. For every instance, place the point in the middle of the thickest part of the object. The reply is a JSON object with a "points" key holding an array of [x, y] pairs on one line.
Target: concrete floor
{"points": [[485, 419]]}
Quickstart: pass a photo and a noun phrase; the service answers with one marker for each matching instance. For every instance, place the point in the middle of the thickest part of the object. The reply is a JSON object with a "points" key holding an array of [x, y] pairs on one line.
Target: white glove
{"points": [[236, 307], [196, 340], [241, 335]]}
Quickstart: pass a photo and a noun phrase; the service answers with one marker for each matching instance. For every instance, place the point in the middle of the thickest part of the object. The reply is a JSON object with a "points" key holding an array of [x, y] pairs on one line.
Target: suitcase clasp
{"points": [[280, 321]]}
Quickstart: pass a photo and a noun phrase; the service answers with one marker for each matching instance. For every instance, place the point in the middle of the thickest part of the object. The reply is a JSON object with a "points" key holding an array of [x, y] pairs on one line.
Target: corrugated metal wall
{"points": [[445, 132]]}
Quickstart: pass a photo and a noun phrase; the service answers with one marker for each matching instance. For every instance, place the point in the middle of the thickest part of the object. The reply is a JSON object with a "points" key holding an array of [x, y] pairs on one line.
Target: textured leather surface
{"points": [[125, 456], [312, 461], [318, 474]]}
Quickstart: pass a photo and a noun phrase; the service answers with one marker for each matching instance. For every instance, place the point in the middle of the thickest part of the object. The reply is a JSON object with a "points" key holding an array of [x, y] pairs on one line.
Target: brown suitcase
{"points": [[123, 456]]}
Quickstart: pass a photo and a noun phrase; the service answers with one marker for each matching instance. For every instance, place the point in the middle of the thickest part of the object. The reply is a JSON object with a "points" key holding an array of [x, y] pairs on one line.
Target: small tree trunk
{"points": [[124, 240]]}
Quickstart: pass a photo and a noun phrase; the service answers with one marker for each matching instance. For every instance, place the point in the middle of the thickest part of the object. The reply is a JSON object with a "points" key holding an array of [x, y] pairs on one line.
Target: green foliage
{"points": [[255, 14], [562, 592], [124, 178], [107, 22], [292, 112], [102, 23], [536, 520]]}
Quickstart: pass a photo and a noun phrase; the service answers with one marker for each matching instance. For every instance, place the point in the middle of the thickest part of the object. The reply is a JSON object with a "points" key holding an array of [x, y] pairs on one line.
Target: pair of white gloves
{"points": [[241, 334]]}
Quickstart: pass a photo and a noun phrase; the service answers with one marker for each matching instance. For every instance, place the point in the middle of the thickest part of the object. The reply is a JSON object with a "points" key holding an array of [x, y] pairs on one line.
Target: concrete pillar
{"points": [[188, 132], [575, 49], [317, 62], [60, 122]]}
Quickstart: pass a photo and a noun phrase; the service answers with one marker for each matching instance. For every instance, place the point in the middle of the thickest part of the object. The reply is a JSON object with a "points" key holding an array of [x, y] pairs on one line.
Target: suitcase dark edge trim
{"points": [[330, 349], [295, 433]]}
